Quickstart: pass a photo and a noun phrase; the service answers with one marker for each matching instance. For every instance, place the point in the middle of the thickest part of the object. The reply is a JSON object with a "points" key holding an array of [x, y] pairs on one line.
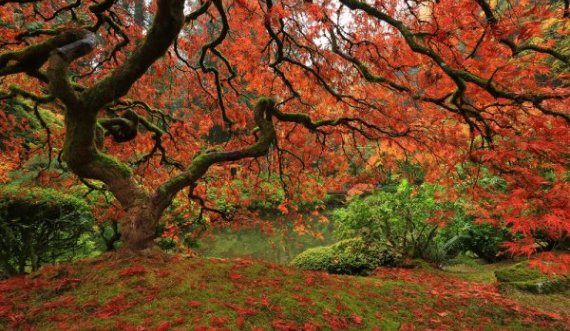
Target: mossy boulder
{"points": [[351, 257], [526, 278]]}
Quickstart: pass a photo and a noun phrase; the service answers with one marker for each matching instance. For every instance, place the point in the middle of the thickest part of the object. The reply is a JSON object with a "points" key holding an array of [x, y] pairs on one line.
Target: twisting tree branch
{"points": [[488, 11], [211, 46], [80, 151], [33, 57], [263, 113], [516, 49]]}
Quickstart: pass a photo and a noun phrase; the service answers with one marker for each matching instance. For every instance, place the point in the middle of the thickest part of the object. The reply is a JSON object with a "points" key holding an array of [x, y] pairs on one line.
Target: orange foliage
{"points": [[410, 82]]}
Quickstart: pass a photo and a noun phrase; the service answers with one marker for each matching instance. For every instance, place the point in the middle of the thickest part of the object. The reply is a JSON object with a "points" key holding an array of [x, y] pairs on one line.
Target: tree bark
{"points": [[138, 229]]}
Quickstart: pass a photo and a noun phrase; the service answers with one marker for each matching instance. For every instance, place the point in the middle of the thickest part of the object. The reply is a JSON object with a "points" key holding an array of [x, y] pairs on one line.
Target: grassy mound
{"points": [[164, 293]]}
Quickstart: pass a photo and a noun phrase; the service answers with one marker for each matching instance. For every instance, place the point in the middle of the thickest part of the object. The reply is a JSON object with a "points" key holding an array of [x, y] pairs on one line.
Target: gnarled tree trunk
{"points": [[138, 228], [80, 151]]}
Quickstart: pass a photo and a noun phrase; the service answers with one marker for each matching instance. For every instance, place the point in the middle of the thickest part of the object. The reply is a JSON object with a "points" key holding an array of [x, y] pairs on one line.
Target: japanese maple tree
{"points": [[296, 88]]}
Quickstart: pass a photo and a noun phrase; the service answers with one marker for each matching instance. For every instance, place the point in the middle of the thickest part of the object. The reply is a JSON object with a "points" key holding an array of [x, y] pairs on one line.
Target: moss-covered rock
{"points": [[526, 278]]}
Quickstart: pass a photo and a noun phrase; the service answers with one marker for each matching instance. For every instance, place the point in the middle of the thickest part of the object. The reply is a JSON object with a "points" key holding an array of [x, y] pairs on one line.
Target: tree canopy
{"points": [[160, 99]]}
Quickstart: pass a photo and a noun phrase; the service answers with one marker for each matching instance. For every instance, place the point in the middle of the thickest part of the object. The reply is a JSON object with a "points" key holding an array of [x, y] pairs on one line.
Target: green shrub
{"points": [[351, 257], [485, 240], [316, 258], [398, 217], [405, 218], [40, 226]]}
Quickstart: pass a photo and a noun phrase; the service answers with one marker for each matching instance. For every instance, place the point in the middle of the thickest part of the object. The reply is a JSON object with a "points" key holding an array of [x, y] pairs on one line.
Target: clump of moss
{"points": [[105, 162], [518, 273], [526, 278]]}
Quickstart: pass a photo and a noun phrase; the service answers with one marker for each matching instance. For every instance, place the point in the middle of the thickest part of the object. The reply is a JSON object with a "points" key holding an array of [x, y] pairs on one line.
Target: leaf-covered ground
{"points": [[172, 293]]}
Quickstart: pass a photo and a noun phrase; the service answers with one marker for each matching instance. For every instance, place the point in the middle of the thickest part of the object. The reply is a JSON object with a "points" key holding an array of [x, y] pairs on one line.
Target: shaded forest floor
{"points": [[173, 293]]}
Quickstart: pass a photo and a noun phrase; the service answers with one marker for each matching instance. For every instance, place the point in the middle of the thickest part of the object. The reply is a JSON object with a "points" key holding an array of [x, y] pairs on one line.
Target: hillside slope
{"points": [[172, 293]]}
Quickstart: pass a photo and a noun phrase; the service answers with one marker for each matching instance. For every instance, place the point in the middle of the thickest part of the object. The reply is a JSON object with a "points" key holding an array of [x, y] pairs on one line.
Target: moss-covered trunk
{"points": [[82, 106], [88, 160]]}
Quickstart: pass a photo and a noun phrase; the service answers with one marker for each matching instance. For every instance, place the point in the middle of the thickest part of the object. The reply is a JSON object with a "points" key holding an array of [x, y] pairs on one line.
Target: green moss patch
{"points": [[526, 278], [171, 293]]}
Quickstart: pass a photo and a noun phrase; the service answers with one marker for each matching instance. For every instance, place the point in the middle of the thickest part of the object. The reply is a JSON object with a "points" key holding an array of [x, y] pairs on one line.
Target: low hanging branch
{"points": [[459, 76]]}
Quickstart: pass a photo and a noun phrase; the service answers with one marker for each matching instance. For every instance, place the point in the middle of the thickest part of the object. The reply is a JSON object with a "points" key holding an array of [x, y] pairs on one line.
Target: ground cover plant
{"points": [[170, 293]]}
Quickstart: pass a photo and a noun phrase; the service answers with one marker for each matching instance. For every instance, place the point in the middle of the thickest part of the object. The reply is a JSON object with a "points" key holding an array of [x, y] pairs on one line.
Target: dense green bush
{"points": [[351, 256], [405, 217], [316, 258], [40, 226], [484, 240], [398, 216]]}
